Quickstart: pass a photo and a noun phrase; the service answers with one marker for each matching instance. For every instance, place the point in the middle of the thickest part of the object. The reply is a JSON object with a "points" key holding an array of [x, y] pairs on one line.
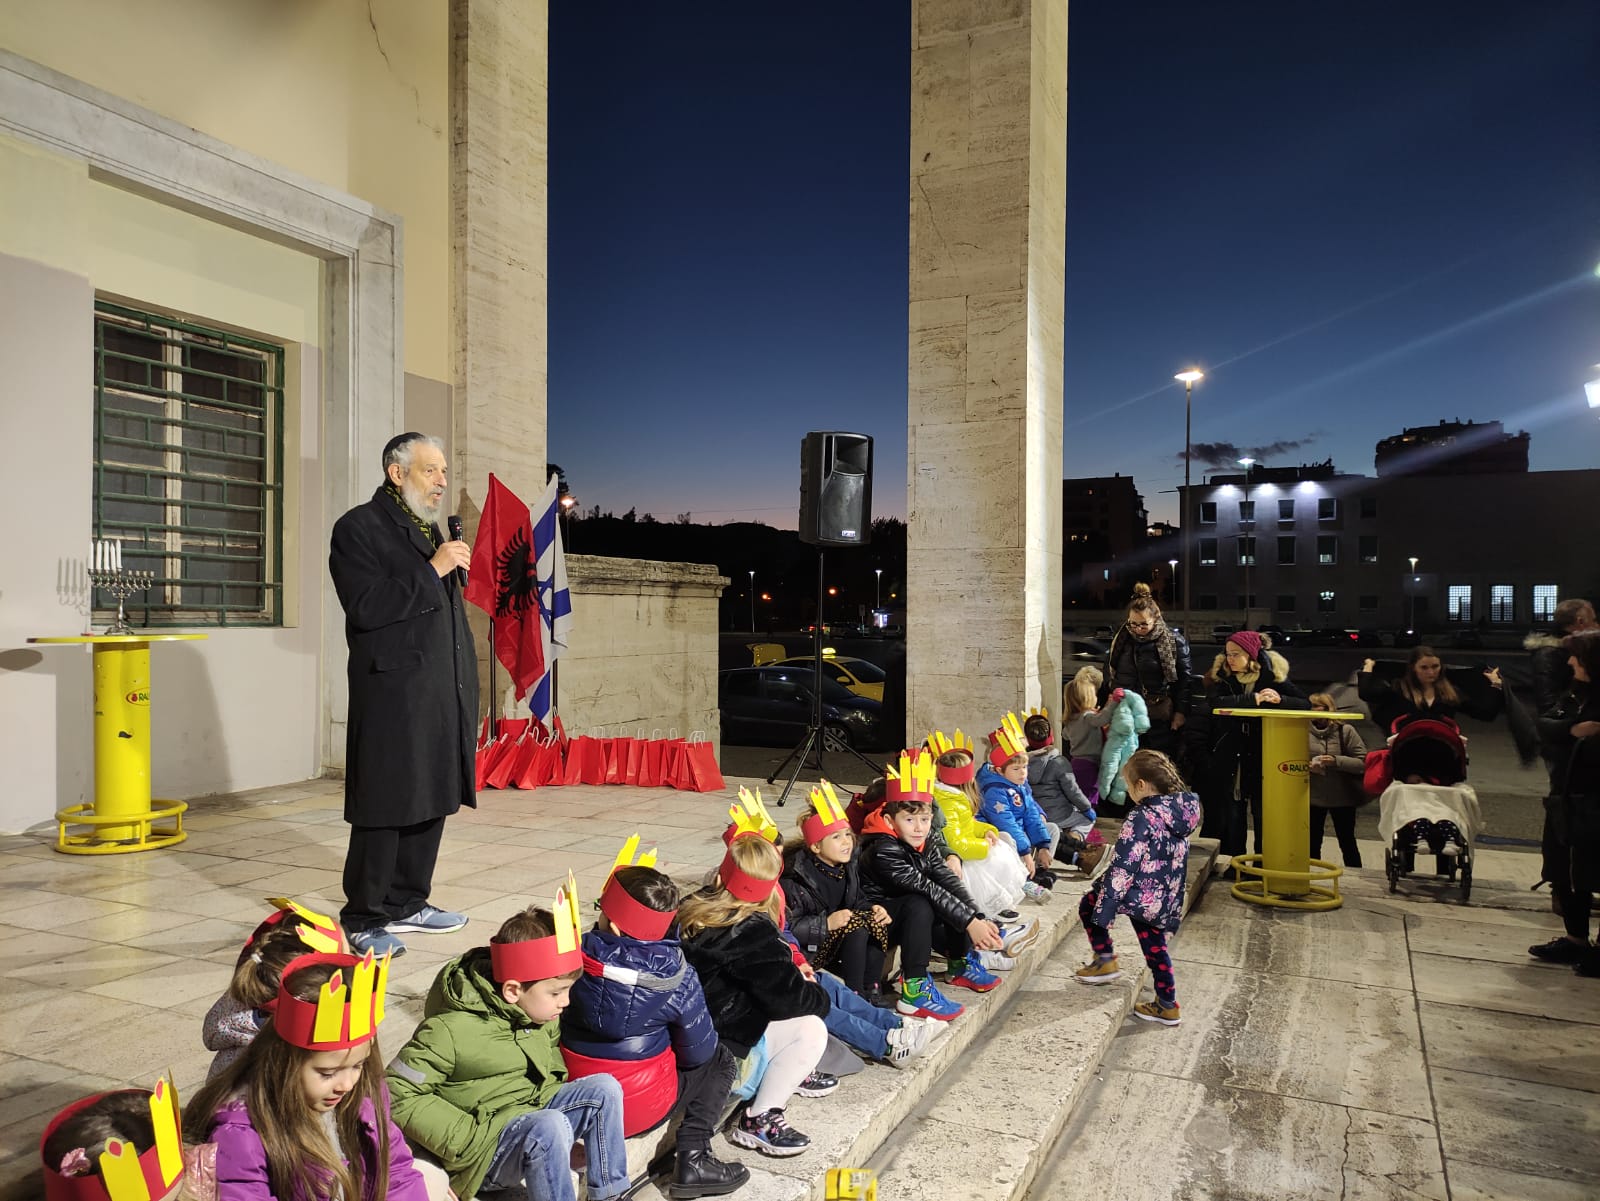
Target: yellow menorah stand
{"points": [[123, 817], [1284, 875]]}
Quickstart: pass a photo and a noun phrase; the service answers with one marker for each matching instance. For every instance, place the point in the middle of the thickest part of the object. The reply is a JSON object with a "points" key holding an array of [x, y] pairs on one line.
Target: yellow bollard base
{"points": [[115, 834], [1261, 885]]}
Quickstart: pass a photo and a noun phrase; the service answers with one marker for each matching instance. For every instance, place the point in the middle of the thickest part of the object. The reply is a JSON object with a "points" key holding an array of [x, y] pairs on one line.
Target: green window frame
{"points": [[188, 441]]}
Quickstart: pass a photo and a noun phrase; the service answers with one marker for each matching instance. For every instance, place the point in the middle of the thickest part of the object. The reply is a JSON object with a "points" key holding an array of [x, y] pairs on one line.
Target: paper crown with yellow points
{"points": [[913, 779], [633, 918], [317, 930], [826, 817], [124, 1175], [1049, 738], [1007, 742], [942, 744], [541, 958], [348, 1007], [741, 884], [750, 816]]}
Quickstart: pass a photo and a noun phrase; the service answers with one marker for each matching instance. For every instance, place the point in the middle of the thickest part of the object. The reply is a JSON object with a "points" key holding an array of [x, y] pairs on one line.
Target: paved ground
{"points": [[1401, 1047]]}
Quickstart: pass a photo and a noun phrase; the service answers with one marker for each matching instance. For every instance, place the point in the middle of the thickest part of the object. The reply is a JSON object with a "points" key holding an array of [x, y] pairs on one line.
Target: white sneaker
{"points": [[996, 961], [911, 1038], [1018, 938], [1037, 893]]}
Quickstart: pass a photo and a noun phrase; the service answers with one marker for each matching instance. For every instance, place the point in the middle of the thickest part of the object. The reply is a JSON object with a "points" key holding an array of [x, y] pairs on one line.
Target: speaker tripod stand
{"points": [[815, 740]]}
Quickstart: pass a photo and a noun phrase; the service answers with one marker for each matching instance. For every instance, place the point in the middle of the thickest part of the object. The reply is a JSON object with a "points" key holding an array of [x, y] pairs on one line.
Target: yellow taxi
{"points": [[858, 675]]}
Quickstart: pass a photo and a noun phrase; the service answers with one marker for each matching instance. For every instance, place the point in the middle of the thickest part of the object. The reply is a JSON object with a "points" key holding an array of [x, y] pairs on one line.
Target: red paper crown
{"points": [[541, 958], [741, 884], [124, 1175], [632, 917], [914, 779], [1050, 734], [941, 745], [826, 817], [317, 930], [1007, 742], [348, 1007]]}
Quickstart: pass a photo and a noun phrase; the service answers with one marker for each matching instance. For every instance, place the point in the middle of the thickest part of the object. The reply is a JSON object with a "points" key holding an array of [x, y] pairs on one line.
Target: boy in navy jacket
{"points": [[638, 1013]]}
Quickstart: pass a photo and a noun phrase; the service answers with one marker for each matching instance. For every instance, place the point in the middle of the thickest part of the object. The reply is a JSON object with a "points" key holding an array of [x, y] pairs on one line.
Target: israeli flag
{"points": [[555, 602]]}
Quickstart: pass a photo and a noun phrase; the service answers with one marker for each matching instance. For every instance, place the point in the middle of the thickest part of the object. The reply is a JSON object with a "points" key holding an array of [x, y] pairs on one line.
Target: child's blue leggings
{"points": [[1152, 942]]}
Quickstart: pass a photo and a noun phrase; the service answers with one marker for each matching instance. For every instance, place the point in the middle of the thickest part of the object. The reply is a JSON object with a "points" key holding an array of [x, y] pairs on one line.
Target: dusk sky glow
{"points": [[1354, 218]]}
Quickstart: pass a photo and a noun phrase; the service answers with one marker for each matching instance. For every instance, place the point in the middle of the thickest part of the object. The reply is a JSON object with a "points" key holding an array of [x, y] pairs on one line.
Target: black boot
{"points": [[698, 1173]]}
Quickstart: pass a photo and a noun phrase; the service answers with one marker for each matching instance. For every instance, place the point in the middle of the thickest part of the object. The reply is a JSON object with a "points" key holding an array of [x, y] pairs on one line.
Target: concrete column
{"points": [[499, 142], [988, 241]]}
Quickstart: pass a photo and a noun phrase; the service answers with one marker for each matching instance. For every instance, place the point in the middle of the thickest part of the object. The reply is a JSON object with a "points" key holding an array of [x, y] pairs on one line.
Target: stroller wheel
{"points": [[1466, 881], [1391, 868]]}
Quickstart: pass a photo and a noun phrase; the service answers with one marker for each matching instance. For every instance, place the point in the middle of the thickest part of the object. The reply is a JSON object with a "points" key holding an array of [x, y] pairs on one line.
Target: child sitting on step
{"points": [[1146, 880], [927, 905], [990, 867], [760, 1003], [638, 1013], [1055, 790], [482, 1085], [302, 1114], [1008, 803], [289, 932]]}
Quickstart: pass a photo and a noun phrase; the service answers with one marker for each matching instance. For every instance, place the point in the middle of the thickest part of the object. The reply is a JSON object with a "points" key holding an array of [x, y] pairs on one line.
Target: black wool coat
{"points": [[409, 742], [750, 979]]}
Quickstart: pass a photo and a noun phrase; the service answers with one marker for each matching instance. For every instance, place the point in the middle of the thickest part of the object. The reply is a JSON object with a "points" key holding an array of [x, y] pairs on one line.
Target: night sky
{"points": [[1355, 217]]}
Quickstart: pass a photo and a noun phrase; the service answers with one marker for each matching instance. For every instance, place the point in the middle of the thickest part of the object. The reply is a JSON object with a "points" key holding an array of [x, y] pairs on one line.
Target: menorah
{"points": [[121, 582]]}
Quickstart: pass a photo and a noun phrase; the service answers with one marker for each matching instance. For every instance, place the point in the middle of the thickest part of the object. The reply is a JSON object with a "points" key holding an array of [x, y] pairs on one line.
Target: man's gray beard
{"points": [[417, 500]]}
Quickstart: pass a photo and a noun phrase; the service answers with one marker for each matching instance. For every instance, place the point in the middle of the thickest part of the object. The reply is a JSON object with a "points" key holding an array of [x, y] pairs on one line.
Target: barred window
{"points": [[189, 467]]}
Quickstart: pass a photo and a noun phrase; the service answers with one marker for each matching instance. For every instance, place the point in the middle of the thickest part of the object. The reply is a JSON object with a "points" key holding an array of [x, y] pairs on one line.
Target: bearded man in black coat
{"points": [[413, 695]]}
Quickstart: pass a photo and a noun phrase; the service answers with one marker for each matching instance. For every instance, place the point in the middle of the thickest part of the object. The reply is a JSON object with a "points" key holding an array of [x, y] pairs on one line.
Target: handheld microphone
{"points": [[453, 522]]}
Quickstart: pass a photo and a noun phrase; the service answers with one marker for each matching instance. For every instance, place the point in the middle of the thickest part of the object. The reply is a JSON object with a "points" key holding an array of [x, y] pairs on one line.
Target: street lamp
{"points": [[1247, 462], [1172, 571], [1411, 609], [752, 602], [878, 571], [1190, 376], [569, 502]]}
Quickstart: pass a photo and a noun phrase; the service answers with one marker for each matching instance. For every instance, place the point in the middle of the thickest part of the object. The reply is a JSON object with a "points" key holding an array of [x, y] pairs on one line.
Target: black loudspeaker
{"points": [[836, 489]]}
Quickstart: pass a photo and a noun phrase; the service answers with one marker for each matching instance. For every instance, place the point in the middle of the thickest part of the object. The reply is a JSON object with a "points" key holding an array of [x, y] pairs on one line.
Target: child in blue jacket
{"points": [[1008, 803], [638, 1013]]}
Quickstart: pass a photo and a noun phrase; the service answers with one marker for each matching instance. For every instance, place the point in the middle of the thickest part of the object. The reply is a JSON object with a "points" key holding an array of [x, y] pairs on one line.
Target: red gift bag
{"points": [[586, 761], [549, 767], [489, 759], [617, 753], [703, 772], [652, 764], [516, 727], [516, 764], [630, 770], [501, 774], [675, 771]]}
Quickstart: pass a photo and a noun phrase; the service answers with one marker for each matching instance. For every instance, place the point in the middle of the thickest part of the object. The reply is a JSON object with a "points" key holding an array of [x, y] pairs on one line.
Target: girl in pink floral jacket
{"points": [[1149, 868]]}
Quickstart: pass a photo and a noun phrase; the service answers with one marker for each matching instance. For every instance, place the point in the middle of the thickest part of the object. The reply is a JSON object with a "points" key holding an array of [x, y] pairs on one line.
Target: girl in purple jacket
{"points": [[1149, 869], [303, 1115]]}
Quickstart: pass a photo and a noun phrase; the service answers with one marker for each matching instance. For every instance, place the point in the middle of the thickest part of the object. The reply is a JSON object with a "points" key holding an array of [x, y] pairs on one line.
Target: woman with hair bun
{"points": [[1152, 659]]}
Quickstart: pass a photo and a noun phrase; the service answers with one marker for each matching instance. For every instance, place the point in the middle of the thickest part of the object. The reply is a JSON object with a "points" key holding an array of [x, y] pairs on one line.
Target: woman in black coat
{"points": [[1424, 690], [1151, 659], [1248, 674], [1571, 736]]}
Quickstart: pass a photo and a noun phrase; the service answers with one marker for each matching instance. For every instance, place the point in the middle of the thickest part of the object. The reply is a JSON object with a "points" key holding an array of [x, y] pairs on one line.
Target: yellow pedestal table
{"points": [[1284, 874], [123, 817]]}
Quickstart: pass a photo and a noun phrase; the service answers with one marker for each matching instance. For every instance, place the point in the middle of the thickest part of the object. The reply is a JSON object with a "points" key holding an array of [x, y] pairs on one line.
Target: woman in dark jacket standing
{"points": [[1149, 658], [1424, 691], [1571, 736], [1248, 674]]}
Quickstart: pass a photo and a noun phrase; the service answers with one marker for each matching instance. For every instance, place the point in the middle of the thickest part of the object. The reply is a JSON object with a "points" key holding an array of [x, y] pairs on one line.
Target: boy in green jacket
{"points": [[482, 1086]]}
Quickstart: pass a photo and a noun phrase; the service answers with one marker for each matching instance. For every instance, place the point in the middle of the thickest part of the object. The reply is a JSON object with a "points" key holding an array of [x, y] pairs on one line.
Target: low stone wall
{"points": [[644, 647]]}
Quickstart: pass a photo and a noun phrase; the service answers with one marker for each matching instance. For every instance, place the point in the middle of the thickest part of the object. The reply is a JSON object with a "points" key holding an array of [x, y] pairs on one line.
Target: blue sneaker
{"points": [[379, 941], [975, 976], [920, 999], [428, 920]]}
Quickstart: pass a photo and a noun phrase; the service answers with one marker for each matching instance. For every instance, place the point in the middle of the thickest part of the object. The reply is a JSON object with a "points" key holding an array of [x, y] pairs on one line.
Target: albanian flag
{"points": [[503, 582]]}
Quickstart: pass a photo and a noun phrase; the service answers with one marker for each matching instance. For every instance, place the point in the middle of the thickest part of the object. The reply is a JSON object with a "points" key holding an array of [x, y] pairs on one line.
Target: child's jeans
{"points": [[794, 1046], [535, 1148], [1152, 942], [859, 1023]]}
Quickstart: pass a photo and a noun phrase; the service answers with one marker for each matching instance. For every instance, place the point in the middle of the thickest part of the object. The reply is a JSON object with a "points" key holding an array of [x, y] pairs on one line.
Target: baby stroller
{"points": [[1423, 796]]}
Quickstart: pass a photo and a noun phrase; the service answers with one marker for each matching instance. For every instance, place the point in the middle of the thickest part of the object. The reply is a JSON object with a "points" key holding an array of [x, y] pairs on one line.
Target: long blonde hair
{"points": [[1083, 692], [300, 1162], [715, 906]]}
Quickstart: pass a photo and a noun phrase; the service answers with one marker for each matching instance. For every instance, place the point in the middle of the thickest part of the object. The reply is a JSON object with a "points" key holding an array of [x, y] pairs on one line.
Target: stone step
{"points": [[1040, 1031]]}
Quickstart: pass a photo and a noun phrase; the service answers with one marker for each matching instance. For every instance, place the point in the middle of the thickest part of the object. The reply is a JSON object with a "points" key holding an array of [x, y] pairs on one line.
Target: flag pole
{"points": [[494, 708]]}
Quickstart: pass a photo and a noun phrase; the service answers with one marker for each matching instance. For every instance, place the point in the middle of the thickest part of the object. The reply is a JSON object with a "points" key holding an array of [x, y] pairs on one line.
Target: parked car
{"points": [[1327, 637], [770, 706], [1406, 638], [1369, 637], [1219, 633], [1279, 635], [1467, 640], [1075, 652], [858, 675]]}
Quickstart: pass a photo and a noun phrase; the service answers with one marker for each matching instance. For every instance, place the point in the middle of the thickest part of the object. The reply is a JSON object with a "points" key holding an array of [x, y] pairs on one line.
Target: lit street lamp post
{"points": [[878, 571], [1172, 572], [752, 602], [1247, 462], [1190, 376], [1411, 609]]}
